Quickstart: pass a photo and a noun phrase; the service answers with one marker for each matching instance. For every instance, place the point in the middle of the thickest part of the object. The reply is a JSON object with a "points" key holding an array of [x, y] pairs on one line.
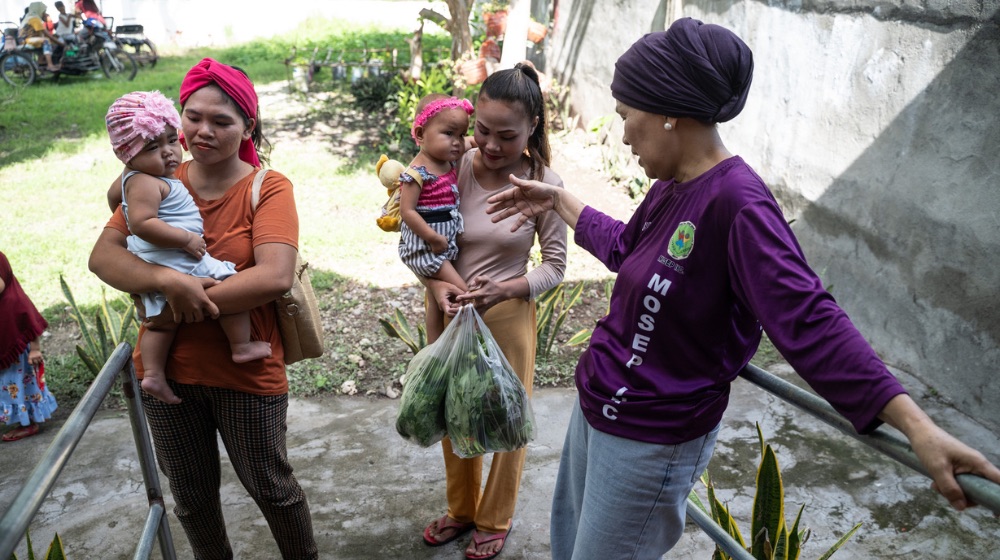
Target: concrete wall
{"points": [[876, 124]]}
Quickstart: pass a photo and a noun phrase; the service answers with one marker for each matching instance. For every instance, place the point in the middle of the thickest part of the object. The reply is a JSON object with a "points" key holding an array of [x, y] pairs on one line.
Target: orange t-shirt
{"points": [[200, 353]]}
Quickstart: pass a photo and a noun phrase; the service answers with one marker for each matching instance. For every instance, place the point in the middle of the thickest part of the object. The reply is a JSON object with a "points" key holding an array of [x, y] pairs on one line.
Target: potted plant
{"points": [[471, 70], [495, 17], [536, 31], [489, 49]]}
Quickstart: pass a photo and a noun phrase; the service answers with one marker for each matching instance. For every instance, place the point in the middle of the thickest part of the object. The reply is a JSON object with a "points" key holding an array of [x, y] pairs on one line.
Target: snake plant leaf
{"points": [[400, 328], [103, 343], [111, 317], [697, 502], [567, 303], [55, 551], [795, 539], [581, 337], [768, 518], [88, 337], [836, 546], [780, 545]]}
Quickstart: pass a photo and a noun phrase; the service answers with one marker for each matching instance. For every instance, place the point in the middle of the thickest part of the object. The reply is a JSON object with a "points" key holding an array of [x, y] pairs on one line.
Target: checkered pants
{"points": [[252, 428]]}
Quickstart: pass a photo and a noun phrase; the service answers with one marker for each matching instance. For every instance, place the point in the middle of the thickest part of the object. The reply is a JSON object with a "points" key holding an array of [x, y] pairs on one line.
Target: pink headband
{"points": [[435, 107], [136, 118]]}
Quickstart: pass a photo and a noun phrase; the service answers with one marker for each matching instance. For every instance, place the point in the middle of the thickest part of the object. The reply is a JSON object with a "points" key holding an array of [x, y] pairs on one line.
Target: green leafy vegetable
{"points": [[463, 385]]}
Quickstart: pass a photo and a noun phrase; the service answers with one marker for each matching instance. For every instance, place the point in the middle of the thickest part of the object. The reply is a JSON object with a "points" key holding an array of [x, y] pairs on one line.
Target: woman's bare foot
{"points": [[250, 351], [486, 545], [157, 386]]}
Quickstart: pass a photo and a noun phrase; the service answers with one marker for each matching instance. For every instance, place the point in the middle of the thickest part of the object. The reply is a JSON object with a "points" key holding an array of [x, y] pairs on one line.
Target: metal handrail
{"points": [[15, 521], [980, 490], [717, 533]]}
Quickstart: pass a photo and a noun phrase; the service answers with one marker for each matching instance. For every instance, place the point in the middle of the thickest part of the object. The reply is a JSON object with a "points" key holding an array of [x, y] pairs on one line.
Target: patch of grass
{"points": [[766, 354]]}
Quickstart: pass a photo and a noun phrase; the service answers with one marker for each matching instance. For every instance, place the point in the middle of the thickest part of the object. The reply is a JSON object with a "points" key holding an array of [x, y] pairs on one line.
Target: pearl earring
{"points": [[668, 126]]}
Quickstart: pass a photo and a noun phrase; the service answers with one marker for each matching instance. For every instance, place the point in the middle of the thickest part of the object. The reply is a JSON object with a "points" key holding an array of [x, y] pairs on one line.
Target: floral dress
{"points": [[23, 399]]}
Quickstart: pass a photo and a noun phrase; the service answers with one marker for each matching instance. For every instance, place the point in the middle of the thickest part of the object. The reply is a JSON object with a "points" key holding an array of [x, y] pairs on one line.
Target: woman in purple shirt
{"points": [[706, 262]]}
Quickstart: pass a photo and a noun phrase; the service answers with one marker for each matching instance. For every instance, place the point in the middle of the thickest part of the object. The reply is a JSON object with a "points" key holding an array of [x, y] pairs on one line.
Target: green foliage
{"points": [[371, 93], [560, 109], [54, 552], [398, 327], [312, 377], [436, 78], [615, 162], [551, 309], [766, 354], [771, 539], [109, 327], [583, 336]]}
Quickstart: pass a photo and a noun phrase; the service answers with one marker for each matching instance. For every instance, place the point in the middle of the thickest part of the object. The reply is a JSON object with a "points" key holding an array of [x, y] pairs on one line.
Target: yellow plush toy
{"points": [[388, 171]]}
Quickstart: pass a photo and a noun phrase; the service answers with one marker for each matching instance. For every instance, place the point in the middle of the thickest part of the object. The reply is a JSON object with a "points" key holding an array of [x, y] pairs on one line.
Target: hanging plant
{"points": [[536, 31]]}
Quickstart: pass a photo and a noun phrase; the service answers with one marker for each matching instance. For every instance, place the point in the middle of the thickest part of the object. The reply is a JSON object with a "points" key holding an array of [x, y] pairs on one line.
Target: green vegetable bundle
{"points": [[421, 407], [486, 407], [463, 386]]}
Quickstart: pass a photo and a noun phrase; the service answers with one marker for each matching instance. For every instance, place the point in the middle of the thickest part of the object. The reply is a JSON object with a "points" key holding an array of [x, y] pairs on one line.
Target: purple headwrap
{"points": [[692, 69]]}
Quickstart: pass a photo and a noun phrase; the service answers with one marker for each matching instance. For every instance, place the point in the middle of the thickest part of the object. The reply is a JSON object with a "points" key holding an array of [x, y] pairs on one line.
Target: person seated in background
{"points": [[87, 9], [34, 33], [64, 27]]}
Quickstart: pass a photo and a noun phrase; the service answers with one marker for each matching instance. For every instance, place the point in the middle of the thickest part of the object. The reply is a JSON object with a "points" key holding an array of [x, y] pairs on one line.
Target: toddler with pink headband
{"points": [[428, 194], [166, 227]]}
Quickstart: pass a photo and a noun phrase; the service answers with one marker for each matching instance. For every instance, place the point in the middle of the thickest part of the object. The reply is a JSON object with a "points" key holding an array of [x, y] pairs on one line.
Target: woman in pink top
{"points": [[428, 195], [511, 134]]}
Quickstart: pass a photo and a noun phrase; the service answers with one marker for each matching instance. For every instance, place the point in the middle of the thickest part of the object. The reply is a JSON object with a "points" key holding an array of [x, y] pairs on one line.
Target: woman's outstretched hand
{"points": [[532, 198], [526, 200]]}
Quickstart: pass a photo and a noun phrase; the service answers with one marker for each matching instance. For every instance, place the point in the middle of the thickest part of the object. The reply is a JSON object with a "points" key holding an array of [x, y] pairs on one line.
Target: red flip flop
{"points": [[502, 537], [21, 432], [458, 529]]}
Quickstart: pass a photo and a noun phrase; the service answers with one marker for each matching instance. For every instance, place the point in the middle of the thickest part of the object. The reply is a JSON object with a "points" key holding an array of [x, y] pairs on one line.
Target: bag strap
{"points": [[255, 190], [417, 177], [255, 198]]}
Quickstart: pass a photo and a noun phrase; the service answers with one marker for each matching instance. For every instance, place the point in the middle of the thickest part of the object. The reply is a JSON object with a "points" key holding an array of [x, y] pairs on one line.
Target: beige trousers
{"points": [[512, 324]]}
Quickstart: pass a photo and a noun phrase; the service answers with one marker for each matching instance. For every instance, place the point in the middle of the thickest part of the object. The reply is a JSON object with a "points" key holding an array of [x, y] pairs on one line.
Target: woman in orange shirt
{"points": [[244, 404]]}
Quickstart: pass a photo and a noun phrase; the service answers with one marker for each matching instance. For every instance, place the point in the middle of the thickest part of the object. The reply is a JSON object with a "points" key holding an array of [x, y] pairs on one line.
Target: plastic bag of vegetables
{"points": [[421, 407], [486, 406]]}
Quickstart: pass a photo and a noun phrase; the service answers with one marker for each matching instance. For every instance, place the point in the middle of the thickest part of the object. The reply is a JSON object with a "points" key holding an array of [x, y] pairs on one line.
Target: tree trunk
{"points": [[457, 25], [416, 52], [461, 38]]}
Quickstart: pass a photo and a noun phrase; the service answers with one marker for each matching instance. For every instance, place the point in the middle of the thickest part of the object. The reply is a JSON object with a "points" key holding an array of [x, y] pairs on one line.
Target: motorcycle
{"points": [[93, 49]]}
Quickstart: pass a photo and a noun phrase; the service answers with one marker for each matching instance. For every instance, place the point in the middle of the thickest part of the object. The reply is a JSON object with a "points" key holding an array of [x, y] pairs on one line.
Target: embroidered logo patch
{"points": [[682, 241]]}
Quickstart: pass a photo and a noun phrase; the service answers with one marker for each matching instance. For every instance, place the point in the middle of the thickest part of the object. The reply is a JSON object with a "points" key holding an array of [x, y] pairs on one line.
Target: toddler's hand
{"points": [[195, 245], [439, 244]]}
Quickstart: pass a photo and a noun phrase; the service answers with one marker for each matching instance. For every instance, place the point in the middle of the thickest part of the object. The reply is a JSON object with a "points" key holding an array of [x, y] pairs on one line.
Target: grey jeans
{"points": [[617, 498]]}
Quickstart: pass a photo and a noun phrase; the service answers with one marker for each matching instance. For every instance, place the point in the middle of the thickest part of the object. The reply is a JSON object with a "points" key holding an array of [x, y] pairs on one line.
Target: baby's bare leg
{"points": [[154, 346], [237, 328], [433, 317], [448, 273]]}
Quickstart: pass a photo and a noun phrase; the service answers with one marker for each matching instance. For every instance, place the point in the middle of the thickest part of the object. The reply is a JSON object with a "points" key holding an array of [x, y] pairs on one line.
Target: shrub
{"points": [[371, 93], [110, 327]]}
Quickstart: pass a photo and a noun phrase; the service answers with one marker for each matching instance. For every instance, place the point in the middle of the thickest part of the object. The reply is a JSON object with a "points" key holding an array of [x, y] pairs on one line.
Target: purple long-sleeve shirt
{"points": [[702, 266]]}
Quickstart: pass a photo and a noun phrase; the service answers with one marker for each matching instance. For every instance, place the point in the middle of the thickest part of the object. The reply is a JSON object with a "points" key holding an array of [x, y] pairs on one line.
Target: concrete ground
{"points": [[371, 493]]}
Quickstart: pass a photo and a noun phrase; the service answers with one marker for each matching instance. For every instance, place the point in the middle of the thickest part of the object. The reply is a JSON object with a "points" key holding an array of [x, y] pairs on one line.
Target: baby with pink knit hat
{"points": [[166, 227]]}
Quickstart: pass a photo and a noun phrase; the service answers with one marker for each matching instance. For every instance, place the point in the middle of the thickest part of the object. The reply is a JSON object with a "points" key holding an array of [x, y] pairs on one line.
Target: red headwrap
{"points": [[236, 84], [20, 322]]}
